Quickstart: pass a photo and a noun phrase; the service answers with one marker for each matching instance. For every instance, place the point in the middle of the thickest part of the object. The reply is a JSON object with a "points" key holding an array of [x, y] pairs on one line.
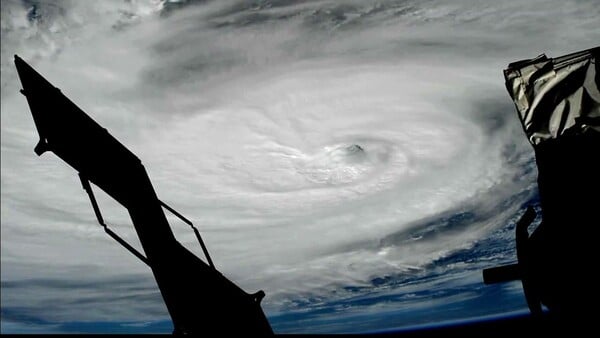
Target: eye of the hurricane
{"points": [[351, 161], [343, 163]]}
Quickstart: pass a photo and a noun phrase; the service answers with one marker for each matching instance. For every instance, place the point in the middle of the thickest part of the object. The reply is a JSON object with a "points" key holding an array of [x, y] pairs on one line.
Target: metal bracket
{"points": [[188, 222], [521, 270], [88, 188]]}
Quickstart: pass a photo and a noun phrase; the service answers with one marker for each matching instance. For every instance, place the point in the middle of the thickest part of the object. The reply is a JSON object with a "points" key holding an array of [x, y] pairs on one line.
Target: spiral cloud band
{"points": [[354, 159]]}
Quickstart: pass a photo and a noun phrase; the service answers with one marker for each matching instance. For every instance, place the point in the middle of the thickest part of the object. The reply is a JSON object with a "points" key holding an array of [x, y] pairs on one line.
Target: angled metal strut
{"points": [[198, 297]]}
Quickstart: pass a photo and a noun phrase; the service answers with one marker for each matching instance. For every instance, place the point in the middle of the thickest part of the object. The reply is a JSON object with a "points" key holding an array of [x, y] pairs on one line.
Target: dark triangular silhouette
{"points": [[199, 298]]}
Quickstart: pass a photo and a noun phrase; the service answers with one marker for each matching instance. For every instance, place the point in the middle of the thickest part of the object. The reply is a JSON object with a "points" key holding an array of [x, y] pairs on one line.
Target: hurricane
{"points": [[359, 161]]}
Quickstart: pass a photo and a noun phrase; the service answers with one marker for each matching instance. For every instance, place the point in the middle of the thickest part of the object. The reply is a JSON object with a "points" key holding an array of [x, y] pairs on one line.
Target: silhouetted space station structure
{"points": [[559, 106], [558, 103], [198, 297]]}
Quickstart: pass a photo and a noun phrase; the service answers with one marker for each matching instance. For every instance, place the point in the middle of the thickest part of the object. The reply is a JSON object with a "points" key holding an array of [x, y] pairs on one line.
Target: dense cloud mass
{"points": [[357, 160]]}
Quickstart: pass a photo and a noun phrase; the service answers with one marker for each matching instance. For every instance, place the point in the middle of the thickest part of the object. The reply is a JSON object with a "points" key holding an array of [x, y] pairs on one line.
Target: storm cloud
{"points": [[331, 152]]}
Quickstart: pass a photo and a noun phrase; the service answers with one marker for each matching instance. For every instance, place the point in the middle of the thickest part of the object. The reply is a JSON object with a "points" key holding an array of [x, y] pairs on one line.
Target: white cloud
{"points": [[243, 115]]}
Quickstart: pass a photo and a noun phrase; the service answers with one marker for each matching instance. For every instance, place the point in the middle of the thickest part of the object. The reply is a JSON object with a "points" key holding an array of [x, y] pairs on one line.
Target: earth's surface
{"points": [[359, 161]]}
